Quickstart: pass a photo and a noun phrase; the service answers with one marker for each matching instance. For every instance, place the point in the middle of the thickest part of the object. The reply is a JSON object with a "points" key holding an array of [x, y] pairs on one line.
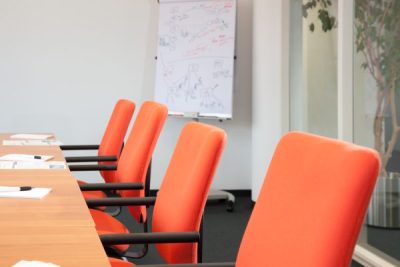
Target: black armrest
{"points": [[221, 264], [91, 158], [150, 238], [93, 167], [79, 147], [120, 201], [110, 186]]}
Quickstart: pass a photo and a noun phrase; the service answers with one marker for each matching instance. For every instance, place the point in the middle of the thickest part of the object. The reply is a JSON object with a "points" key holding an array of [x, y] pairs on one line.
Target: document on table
{"points": [[34, 193], [31, 136], [24, 165], [25, 157], [24, 263], [31, 143]]}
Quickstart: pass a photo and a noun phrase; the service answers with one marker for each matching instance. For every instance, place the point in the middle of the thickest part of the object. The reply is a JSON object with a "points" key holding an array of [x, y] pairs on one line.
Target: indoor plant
{"points": [[377, 38]]}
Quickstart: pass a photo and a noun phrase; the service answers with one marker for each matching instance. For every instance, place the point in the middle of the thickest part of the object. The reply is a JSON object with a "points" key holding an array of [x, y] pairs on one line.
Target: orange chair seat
{"points": [[106, 224], [120, 263], [94, 194]]}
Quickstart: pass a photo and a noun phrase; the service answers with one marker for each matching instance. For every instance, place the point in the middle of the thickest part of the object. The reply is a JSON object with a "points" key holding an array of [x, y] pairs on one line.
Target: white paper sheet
{"points": [[25, 157], [32, 165], [31, 136], [24, 263], [195, 57], [31, 143], [34, 193]]}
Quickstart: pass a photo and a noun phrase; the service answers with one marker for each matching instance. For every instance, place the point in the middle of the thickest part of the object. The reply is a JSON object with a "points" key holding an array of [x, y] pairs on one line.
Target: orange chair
{"points": [[132, 167], [180, 201], [311, 206], [132, 173], [111, 144]]}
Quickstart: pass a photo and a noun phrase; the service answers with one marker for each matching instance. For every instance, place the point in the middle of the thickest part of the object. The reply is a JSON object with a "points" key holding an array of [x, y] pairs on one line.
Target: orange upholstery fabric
{"points": [[112, 141], [183, 192], [120, 263], [93, 194], [138, 150], [312, 204], [106, 224], [114, 134], [133, 164]]}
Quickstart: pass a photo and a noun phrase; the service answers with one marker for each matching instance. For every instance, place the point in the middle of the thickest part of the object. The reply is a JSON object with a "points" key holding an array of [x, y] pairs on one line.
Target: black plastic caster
{"points": [[229, 205]]}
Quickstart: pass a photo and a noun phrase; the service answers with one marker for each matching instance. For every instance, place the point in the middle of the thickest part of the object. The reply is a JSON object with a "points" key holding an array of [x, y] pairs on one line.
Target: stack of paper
{"points": [[31, 142], [32, 165], [34, 193], [24, 263], [25, 157], [31, 136]]}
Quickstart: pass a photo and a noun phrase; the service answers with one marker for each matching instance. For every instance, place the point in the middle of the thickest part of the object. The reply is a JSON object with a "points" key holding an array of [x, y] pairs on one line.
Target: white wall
{"points": [[63, 64], [270, 83]]}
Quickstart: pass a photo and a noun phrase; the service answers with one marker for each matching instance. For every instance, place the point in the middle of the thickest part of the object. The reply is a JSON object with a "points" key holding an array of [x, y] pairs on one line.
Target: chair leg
{"points": [[200, 243], [148, 179]]}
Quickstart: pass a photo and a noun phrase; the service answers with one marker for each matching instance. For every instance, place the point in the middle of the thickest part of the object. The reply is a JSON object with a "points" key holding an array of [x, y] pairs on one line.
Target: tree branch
{"points": [[395, 127]]}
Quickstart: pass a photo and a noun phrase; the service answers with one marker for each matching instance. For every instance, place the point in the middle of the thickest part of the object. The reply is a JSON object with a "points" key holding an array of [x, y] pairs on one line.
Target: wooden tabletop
{"points": [[54, 151], [57, 228], [63, 246], [63, 206]]}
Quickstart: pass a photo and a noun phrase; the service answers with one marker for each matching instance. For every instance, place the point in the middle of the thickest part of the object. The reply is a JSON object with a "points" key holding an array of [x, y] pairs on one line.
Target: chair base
{"points": [[229, 198]]}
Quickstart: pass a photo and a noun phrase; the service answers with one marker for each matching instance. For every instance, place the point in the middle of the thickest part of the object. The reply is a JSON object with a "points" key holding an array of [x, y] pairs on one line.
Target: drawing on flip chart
{"points": [[195, 56]]}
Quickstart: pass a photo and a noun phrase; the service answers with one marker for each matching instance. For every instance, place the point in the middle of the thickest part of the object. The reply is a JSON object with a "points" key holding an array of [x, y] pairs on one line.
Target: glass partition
{"points": [[375, 99], [376, 114], [313, 68]]}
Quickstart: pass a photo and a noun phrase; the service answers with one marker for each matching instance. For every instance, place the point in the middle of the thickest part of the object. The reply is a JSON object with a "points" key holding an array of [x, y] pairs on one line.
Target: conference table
{"points": [[57, 228]]}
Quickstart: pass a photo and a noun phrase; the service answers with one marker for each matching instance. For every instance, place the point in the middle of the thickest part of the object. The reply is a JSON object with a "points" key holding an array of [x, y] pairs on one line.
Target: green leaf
{"points": [[364, 65]]}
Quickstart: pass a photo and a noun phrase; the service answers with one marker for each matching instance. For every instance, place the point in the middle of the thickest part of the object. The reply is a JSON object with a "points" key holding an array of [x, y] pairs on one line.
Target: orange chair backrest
{"points": [[138, 150], [113, 138], [312, 204], [183, 192]]}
